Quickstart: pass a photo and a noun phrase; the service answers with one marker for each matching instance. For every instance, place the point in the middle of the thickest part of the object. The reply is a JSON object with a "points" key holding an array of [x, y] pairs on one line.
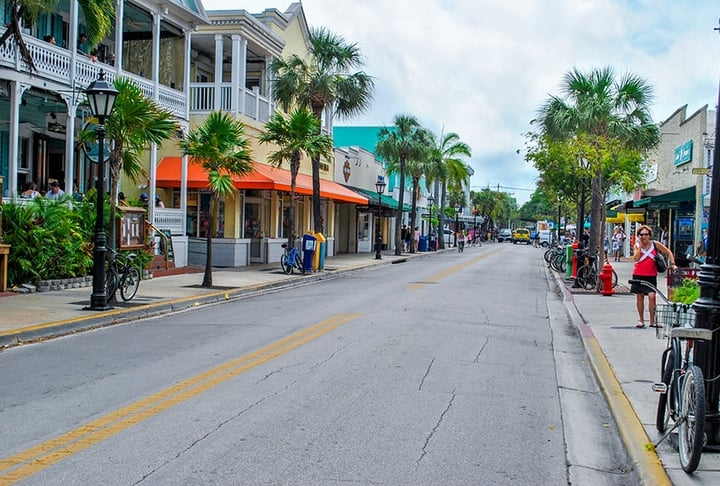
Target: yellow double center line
{"points": [[43, 455]]}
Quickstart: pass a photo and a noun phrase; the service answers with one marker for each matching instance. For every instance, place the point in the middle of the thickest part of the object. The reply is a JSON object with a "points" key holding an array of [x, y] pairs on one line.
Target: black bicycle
{"points": [[121, 274], [682, 389]]}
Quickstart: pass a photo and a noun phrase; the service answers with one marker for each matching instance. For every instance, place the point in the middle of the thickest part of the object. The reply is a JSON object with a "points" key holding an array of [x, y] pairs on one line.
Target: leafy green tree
{"points": [[396, 145], [135, 123], [221, 148], [98, 15], [295, 136], [446, 165], [324, 80], [612, 115]]}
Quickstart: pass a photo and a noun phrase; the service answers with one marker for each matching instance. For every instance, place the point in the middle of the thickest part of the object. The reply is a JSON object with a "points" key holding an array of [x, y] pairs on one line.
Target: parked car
{"points": [[449, 236], [504, 235], [521, 235]]}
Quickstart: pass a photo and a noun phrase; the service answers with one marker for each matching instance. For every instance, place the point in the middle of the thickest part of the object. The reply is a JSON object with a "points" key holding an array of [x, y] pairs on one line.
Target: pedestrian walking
{"points": [[646, 252]]}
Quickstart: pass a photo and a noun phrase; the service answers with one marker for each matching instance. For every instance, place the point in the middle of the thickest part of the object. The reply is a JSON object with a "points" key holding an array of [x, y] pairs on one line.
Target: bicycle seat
{"points": [[284, 245]]}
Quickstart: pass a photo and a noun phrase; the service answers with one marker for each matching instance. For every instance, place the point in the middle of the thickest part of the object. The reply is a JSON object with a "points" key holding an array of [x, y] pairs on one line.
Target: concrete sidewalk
{"points": [[626, 360]]}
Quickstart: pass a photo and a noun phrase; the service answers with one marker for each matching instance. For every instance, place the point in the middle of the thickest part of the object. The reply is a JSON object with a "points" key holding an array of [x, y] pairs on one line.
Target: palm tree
{"points": [[396, 145], [221, 148], [608, 112], [135, 123], [295, 136], [445, 166], [98, 15], [325, 80]]}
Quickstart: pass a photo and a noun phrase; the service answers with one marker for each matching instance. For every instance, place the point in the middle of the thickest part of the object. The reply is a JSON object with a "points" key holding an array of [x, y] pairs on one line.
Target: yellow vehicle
{"points": [[521, 235]]}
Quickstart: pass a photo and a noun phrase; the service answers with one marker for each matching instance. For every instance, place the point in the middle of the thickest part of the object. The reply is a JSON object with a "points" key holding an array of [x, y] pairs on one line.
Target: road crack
{"points": [[423, 453]]}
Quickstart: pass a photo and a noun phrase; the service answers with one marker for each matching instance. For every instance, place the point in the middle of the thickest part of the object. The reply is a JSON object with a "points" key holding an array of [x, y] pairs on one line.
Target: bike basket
{"points": [[672, 315]]}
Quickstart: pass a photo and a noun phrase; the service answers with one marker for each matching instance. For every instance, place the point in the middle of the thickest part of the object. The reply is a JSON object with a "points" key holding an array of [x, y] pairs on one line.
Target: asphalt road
{"points": [[458, 369]]}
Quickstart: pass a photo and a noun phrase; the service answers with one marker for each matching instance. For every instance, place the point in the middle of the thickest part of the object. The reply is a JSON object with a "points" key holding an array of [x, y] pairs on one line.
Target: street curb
{"points": [[50, 330], [646, 461]]}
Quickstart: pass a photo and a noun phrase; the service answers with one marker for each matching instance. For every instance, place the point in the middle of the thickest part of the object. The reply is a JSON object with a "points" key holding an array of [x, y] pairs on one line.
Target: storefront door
{"points": [[254, 229]]}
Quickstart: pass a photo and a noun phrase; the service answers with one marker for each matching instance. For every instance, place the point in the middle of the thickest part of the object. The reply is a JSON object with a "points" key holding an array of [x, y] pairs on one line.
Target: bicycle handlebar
{"points": [[651, 287]]}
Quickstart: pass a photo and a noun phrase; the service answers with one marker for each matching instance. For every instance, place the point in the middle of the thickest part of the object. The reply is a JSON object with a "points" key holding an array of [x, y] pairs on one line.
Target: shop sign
{"points": [[683, 153]]}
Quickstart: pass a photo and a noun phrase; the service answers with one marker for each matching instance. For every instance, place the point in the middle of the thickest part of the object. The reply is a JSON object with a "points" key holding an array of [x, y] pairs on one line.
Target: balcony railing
{"points": [[250, 102], [170, 219], [54, 63]]}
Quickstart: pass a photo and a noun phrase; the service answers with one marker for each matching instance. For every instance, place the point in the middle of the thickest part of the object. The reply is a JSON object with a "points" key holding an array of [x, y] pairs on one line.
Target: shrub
{"points": [[687, 293]]}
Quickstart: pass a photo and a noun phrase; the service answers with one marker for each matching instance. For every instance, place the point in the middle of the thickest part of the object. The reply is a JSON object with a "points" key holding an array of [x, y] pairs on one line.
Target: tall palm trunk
{"points": [[207, 277], [413, 211], [294, 168], [318, 225], [401, 202]]}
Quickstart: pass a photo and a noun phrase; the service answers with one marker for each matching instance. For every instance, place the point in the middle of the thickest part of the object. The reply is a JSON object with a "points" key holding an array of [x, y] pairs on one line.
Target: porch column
{"points": [[70, 146], [239, 67], [218, 71], [16, 91], [157, 18], [186, 71], [153, 181], [119, 14]]}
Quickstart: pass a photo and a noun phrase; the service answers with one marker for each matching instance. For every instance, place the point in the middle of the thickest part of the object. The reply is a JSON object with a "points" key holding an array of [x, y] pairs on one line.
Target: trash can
{"points": [[423, 244], [308, 250], [320, 251]]}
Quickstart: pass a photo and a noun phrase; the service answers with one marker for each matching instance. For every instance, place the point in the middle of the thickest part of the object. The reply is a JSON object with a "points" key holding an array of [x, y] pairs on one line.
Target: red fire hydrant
{"points": [[605, 276]]}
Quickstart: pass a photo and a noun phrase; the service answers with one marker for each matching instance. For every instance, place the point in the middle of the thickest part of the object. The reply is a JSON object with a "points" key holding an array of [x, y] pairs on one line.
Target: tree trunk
{"points": [[596, 211], [398, 219], [413, 212], [207, 277], [317, 209]]}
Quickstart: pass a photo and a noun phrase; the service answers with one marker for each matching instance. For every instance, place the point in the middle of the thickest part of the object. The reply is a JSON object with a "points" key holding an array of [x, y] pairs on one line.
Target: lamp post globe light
{"points": [[380, 189], [101, 96]]}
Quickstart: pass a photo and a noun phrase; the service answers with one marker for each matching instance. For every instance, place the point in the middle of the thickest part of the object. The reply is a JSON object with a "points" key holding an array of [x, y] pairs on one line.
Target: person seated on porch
{"points": [[29, 191], [50, 39]]}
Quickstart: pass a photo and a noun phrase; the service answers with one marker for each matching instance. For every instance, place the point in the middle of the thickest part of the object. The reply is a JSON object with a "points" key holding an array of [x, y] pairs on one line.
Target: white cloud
{"points": [[482, 68]]}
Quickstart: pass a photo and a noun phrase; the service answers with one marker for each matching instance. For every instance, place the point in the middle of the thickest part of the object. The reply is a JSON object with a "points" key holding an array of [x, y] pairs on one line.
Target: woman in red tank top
{"points": [[644, 254]]}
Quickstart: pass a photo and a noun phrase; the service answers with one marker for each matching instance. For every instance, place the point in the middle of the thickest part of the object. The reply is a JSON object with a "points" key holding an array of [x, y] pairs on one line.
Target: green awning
{"points": [[674, 199], [385, 201]]}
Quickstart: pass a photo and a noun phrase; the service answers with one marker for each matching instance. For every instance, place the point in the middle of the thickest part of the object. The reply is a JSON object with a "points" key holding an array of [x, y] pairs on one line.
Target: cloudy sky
{"points": [[481, 68]]}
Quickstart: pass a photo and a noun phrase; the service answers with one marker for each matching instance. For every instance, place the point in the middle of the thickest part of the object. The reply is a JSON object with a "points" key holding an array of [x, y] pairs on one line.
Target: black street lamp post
{"points": [[457, 222], [707, 307], [101, 96], [380, 189]]}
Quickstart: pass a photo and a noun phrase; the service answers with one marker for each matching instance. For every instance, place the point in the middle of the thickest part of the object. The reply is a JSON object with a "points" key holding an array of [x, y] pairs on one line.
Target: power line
{"points": [[504, 187]]}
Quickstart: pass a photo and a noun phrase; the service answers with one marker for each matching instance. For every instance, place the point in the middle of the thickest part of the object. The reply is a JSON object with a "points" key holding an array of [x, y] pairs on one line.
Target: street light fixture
{"points": [[380, 189], [101, 97]]}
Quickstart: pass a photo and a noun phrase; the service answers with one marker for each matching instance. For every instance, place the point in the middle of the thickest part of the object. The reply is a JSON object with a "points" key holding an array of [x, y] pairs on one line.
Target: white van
{"points": [[545, 238]]}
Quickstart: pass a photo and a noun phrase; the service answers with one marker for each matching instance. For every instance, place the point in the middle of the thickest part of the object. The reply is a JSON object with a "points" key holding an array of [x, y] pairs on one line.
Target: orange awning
{"points": [[262, 177]]}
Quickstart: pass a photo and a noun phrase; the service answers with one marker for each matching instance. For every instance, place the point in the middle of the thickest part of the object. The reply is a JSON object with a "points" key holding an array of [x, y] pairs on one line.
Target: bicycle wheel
{"points": [[111, 283], [299, 265], [287, 268], [662, 418], [691, 428], [129, 283], [614, 279], [584, 277]]}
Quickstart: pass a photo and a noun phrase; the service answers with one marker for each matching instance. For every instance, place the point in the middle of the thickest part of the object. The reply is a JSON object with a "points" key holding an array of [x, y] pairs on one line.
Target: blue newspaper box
{"points": [[423, 244], [308, 251]]}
